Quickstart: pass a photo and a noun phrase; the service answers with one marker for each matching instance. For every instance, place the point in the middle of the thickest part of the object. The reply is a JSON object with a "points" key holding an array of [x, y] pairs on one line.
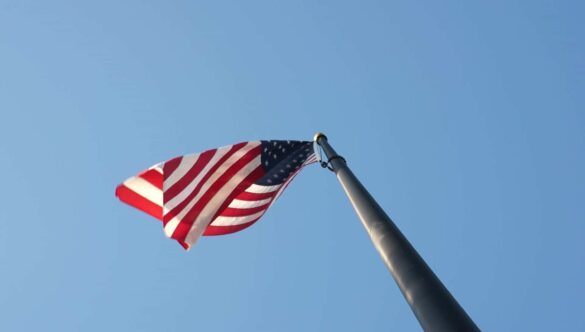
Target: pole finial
{"points": [[318, 135]]}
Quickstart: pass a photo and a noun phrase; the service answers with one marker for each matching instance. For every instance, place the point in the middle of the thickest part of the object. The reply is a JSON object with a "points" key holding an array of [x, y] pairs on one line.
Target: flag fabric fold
{"points": [[219, 191]]}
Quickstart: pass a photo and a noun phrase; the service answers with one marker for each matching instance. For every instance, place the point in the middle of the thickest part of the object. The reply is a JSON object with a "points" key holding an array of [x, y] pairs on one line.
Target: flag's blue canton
{"points": [[281, 158]]}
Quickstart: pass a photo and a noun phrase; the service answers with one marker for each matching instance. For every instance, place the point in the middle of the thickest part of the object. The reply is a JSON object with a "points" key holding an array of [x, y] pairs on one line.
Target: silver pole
{"points": [[434, 307]]}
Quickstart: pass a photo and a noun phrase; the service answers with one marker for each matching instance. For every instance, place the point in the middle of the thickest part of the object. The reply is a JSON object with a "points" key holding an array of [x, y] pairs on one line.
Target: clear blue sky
{"points": [[464, 119]]}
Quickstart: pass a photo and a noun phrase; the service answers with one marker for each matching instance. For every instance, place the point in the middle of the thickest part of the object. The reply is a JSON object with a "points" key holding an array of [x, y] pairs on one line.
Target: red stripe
{"points": [[132, 198], [183, 182], [235, 212], [185, 225], [171, 214], [153, 177], [246, 196], [170, 166], [183, 244], [223, 230]]}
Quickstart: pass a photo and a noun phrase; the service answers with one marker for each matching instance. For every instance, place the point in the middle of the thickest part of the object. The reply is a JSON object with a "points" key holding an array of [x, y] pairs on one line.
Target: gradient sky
{"points": [[464, 119]]}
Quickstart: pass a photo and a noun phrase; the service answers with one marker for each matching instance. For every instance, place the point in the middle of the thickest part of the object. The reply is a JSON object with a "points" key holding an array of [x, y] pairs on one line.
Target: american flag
{"points": [[219, 191]]}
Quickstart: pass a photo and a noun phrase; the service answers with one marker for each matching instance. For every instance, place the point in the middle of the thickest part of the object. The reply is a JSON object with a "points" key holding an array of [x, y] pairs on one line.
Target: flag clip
{"points": [[328, 163]]}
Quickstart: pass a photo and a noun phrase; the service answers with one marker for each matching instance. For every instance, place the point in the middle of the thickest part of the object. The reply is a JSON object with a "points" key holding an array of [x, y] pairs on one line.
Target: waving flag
{"points": [[219, 191]]}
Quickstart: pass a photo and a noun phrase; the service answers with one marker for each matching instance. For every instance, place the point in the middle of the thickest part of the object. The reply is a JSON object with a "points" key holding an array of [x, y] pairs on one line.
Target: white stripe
{"points": [[258, 189], [168, 206], [145, 189], [184, 166], [310, 160], [157, 167], [232, 221], [240, 204], [173, 223], [204, 218]]}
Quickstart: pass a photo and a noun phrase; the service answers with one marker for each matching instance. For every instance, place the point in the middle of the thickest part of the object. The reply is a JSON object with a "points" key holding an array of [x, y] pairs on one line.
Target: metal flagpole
{"points": [[434, 307]]}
